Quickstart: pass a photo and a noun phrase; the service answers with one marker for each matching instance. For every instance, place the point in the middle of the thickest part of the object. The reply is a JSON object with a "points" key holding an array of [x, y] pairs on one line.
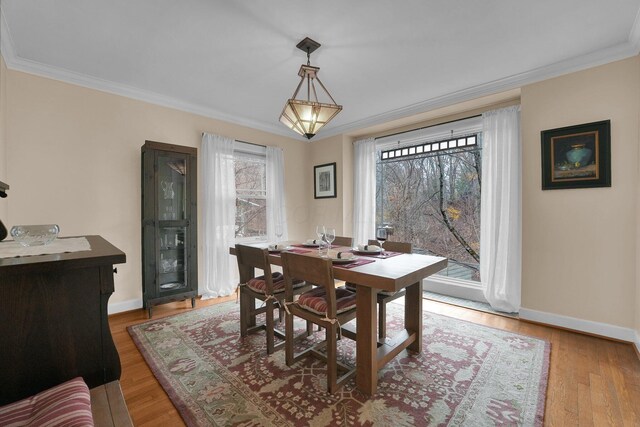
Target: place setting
{"points": [[346, 259], [376, 251]]}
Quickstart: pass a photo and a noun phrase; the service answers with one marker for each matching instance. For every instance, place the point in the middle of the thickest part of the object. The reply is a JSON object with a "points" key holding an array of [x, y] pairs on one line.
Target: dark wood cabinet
{"points": [[53, 320], [169, 234]]}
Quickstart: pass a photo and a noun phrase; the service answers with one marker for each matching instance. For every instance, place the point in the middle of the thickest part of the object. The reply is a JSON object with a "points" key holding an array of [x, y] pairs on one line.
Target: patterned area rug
{"points": [[466, 375]]}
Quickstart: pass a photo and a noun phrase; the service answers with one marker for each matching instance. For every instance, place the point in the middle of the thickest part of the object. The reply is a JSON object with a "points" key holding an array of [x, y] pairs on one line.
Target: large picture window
{"points": [[428, 193]]}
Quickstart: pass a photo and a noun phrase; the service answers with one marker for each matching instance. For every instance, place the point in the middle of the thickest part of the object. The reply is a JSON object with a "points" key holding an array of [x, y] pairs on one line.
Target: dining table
{"points": [[371, 273]]}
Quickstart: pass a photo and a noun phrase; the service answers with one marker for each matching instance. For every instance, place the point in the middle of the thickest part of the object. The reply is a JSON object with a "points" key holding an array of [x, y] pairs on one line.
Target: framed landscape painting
{"points": [[577, 156], [324, 181]]}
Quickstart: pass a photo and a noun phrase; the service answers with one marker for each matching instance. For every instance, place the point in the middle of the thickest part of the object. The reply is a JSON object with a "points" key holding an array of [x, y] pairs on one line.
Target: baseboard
{"points": [[588, 326], [119, 307], [458, 288]]}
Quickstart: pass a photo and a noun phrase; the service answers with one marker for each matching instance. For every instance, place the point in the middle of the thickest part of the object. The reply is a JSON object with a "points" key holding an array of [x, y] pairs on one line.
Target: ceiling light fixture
{"points": [[306, 117]]}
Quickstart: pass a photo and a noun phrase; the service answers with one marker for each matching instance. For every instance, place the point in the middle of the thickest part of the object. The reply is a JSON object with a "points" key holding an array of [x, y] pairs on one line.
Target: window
{"points": [[251, 191], [428, 193]]}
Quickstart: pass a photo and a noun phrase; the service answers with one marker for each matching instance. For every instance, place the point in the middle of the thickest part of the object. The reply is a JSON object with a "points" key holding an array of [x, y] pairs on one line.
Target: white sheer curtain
{"points": [[218, 216], [364, 191], [276, 214], [500, 214]]}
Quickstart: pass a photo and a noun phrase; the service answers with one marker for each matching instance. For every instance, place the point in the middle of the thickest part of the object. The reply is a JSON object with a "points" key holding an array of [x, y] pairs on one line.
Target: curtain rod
{"points": [[245, 142], [427, 127]]}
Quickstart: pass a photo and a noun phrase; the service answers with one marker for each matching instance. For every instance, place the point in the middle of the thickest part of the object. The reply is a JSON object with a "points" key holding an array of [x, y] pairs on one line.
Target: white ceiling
{"points": [[382, 60]]}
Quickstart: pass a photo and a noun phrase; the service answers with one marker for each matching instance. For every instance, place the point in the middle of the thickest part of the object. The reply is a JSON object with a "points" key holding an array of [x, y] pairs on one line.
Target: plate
{"points": [[344, 260], [368, 252], [286, 248], [310, 245], [172, 285]]}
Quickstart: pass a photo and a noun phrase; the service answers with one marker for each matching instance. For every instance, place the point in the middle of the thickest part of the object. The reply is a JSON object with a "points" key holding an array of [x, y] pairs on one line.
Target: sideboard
{"points": [[53, 320]]}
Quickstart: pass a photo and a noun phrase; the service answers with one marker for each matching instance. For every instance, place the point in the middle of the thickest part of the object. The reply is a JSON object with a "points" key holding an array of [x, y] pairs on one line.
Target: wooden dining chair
{"points": [[386, 296], [268, 288], [325, 305], [342, 241]]}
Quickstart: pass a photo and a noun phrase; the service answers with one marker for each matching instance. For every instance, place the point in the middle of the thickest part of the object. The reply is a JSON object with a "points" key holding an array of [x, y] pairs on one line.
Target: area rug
{"points": [[467, 374]]}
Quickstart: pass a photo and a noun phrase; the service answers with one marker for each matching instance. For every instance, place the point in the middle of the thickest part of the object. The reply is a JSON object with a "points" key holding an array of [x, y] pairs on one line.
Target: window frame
{"points": [[456, 287], [258, 154]]}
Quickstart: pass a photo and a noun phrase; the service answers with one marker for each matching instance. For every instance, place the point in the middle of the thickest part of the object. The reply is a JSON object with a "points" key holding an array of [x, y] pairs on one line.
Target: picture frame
{"points": [[577, 156], [324, 181]]}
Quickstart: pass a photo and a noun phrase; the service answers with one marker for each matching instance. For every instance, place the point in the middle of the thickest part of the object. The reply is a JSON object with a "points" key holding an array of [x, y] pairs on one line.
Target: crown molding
{"points": [[14, 62], [578, 63], [614, 53], [634, 34]]}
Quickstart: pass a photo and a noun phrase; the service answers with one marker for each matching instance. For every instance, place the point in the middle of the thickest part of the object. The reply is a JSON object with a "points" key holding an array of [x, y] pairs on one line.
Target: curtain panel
{"points": [[501, 212], [276, 210], [218, 216], [364, 191]]}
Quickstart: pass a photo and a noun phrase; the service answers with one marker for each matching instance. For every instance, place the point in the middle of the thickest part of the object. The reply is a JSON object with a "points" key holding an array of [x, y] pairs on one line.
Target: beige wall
{"points": [[74, 159], [580, 246], [328, 212]]}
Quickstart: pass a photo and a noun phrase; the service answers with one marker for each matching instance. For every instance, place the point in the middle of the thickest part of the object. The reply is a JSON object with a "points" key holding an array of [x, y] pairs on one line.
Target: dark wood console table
{"points": [[53, 320]]}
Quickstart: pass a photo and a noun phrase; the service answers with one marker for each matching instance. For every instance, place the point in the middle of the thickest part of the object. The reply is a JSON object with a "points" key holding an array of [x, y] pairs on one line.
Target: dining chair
{"points": [[268, 288], [385, 297], [325, 305], [342, 241]]}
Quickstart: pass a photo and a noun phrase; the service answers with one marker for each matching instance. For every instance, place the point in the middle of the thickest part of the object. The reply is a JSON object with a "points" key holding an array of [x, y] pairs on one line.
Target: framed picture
{"points": [[324, 181], [577, 156]]}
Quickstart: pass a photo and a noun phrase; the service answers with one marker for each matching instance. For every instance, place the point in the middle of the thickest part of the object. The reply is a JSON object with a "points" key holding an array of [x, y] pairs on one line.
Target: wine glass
{"points": [[330, 235], [320, 230], [279, 232], [381, 236]]}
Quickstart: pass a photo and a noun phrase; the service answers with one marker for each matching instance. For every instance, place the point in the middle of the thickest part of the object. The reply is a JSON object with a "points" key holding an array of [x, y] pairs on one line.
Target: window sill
{"points": [[458, 288]]}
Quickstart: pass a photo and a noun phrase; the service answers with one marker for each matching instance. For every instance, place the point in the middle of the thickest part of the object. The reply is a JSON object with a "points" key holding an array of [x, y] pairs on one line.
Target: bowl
{"points": [[35, 235]]}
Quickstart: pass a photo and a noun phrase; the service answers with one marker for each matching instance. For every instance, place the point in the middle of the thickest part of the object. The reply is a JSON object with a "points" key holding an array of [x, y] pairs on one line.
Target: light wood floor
{"points": [[592, 381]]}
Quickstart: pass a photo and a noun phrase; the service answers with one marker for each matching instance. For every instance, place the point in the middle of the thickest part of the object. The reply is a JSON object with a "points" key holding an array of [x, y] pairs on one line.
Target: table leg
{"points": [[413, 314], [366, 343]]}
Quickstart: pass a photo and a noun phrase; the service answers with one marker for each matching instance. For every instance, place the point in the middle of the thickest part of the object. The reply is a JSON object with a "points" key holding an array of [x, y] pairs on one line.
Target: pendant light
{"points": [[307, 116]]}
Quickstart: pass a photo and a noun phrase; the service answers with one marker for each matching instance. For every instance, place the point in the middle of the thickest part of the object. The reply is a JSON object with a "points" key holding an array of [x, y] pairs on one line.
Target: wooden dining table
{"points": [[394, 273]]}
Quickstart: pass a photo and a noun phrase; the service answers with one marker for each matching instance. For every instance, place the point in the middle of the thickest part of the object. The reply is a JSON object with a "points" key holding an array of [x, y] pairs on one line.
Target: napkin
{"points": [[315, 241], [340, 255], [277, 247], [369, 248]]}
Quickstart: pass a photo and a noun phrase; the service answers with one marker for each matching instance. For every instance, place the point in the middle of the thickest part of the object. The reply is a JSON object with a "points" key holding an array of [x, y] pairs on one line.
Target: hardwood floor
{"points": [[592, 381]]}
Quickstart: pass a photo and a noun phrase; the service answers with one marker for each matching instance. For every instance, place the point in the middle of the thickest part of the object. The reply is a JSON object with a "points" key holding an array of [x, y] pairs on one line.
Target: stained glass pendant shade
{"points": [[307, 116]]}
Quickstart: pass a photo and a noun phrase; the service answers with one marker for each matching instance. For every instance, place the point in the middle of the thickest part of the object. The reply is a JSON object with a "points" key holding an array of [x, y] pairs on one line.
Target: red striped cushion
{"points": [[67, 404], [259, 285], [316, 302]]}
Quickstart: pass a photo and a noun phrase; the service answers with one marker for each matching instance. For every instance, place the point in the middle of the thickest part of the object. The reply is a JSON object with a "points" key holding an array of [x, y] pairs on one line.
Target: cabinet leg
{"points": [[193, 303], [149, 312]]}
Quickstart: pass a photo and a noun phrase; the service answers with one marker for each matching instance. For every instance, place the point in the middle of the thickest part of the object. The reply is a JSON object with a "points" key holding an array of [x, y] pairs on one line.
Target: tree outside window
{"points": [[433, 200]]}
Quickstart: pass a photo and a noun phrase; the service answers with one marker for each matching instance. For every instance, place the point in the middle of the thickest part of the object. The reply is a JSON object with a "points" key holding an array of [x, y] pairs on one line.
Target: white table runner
{"points": [[11, 249]]}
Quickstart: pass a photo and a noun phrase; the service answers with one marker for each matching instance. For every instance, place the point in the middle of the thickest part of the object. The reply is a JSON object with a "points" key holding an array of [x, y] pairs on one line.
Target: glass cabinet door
{"points": [[172, 270], [172, 172]]}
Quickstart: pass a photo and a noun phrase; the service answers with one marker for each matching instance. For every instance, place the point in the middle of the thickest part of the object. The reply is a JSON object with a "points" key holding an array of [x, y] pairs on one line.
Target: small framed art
{"points": [[324, 181], [577, 156]]}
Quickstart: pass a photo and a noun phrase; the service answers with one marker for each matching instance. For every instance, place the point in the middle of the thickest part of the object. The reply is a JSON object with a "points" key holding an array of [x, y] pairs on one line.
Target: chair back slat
{"points": [[342, 241], [312, 270], [402, 247], [249, 256]]}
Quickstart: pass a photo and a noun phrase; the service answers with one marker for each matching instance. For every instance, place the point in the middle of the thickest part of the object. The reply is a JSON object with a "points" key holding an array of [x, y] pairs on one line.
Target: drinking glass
{"points": [[330, 235], [381, 236], [320, 230], [279, 232]]}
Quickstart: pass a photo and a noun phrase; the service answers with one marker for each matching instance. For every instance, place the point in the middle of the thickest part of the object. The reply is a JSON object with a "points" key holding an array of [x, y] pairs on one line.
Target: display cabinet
{"points": [[169, 235]]}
